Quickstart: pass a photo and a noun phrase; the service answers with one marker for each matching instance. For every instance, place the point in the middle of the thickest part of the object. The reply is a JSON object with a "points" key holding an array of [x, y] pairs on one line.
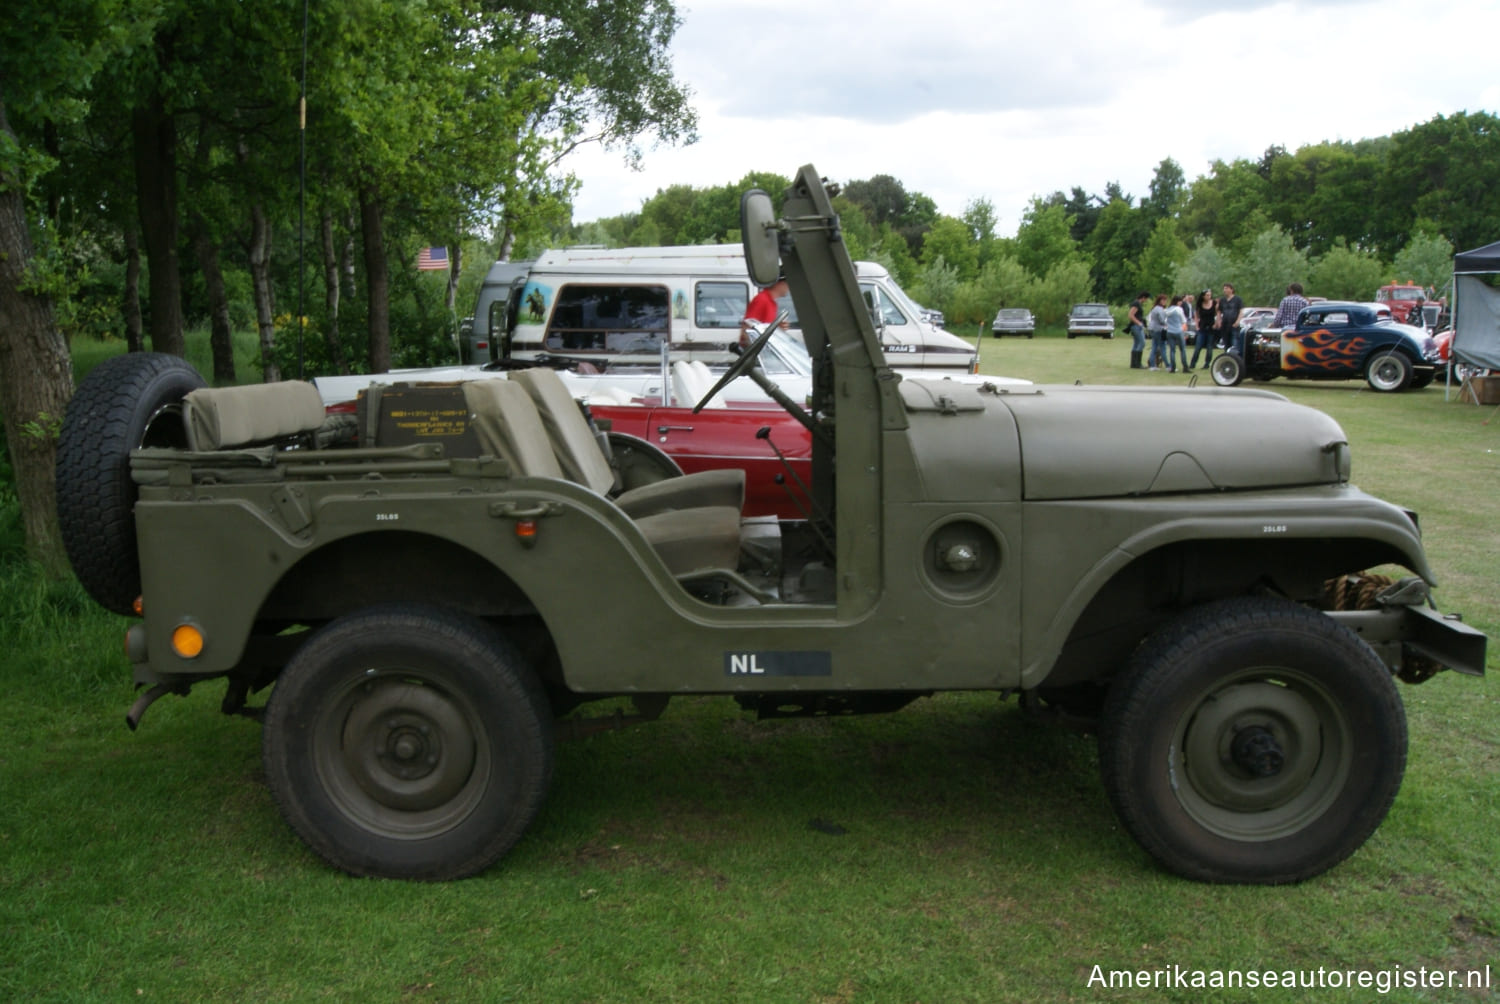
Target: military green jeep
{"points": [[430, 619]]}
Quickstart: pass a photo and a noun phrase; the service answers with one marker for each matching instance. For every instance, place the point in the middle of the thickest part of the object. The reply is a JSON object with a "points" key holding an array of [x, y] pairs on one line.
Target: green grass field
{"points": [[955, 851]]}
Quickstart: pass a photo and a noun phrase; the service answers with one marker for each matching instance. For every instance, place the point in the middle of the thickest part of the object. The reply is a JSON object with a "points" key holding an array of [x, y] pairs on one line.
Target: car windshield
{"points": [[1091, 310], [1015, 314], [791, 352]]}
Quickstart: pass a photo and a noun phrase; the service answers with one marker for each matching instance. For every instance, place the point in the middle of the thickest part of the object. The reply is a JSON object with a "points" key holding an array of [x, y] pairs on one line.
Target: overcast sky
{"points": [[965, 99]]}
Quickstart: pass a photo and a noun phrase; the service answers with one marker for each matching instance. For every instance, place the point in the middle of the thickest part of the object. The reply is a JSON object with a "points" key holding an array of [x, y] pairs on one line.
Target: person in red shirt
{"points": [[762, 308]]}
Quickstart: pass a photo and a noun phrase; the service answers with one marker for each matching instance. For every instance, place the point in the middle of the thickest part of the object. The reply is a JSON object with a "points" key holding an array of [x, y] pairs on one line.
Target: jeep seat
{"points": [[223, 418], [510, 426], [583, 462]]}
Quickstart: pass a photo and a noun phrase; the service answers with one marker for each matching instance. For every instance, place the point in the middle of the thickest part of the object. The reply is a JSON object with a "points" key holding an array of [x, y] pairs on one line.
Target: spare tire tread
{"points": [[107, 418]]}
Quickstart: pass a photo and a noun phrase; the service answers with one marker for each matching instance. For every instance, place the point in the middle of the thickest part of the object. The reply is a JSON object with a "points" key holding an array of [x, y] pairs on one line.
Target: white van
{"points": [[619, 306]]}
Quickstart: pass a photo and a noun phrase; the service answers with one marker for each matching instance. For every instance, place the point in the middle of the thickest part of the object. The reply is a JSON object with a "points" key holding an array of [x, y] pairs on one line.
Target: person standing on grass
{"points": [[1290, 306], [1137, 326], [1208, 314], [1157, 322], [1228, 321], [1176, 325]]}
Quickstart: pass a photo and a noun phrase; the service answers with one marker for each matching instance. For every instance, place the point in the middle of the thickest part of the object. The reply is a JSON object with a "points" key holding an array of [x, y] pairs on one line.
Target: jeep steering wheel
{"points": [[745, 363]]}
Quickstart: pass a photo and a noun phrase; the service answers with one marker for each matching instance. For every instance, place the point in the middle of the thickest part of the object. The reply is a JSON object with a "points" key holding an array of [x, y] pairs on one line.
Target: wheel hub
{"points": [[407, 746], [1256, 750]]}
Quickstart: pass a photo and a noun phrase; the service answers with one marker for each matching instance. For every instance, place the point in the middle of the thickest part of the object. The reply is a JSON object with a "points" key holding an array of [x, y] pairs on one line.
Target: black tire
{"points": [[1420, 380], [1388, 372], [408, 742], [124, 403], [1227, 370], [1252, 740]]}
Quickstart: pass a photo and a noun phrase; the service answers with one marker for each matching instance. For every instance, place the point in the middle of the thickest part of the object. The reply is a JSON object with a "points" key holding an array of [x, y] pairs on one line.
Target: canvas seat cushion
{"points": [[221, 418]]}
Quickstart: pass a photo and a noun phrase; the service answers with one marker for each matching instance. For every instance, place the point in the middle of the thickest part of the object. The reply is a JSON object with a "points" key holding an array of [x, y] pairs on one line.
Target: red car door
{"points": [[726, 437]]}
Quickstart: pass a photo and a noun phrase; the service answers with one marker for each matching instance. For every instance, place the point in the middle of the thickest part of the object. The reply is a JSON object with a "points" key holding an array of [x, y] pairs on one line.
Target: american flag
{"points": [[432, 260]]}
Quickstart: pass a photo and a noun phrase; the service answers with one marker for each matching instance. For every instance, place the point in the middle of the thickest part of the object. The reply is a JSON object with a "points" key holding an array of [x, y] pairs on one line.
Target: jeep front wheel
{"points": [[1252, 740], [408, 742]]}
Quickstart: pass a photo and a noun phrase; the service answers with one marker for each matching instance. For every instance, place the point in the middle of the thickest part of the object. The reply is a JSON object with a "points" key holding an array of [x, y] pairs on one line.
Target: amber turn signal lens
{"points": [[525, 528], [138, 606], [187, 641]]}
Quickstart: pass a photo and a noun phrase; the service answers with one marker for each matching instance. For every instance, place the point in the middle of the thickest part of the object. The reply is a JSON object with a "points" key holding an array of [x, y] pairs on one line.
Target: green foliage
{"points": [[1045, 238], [1427, 259], [1066, 283], [951, 241], [1446, 170], [1346, 274], [1268, 265], [1206, 267], [1157, 267], [936, 284]]}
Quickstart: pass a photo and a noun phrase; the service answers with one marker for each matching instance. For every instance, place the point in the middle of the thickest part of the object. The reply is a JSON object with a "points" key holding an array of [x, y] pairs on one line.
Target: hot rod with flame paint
{"points": [[1336, 341]]}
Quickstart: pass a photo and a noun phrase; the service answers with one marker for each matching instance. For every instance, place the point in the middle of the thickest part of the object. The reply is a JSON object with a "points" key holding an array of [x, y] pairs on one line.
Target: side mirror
{"points": [[758, 227]]}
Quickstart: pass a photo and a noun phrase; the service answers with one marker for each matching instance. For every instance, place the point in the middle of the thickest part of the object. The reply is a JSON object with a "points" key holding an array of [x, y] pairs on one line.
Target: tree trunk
{"points": [[220, 338], [377, 280], [346, 257], [331, 296], [36, 378], [156, 198], [134, 336], [507, 244], [259, 250], [455, 266]]}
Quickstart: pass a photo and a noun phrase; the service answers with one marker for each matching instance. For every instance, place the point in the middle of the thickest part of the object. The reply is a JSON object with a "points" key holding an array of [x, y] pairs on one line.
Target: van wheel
{"points": [[1252, 740], [408, 742], [124, 403]]}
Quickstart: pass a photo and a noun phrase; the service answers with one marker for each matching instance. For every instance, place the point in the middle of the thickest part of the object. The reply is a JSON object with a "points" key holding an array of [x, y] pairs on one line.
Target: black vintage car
{"points": [[1335, 341]]}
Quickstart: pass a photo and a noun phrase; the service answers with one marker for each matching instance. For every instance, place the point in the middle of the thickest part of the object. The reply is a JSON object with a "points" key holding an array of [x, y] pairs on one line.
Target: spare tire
{"points": [[124, 403]]}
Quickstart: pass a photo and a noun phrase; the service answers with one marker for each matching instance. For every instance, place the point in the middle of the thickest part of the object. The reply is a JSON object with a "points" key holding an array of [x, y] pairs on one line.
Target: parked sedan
{"points": [[1091, 319], [1336, 341], [1013, 321]]}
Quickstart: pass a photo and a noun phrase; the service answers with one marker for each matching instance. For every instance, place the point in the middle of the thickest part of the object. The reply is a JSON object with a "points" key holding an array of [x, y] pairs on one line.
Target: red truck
{"points": [[1403, 298]]}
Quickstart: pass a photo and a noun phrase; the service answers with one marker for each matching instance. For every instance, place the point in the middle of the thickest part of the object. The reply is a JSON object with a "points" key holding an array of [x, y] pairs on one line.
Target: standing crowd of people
{"points": [[1211, 322]]}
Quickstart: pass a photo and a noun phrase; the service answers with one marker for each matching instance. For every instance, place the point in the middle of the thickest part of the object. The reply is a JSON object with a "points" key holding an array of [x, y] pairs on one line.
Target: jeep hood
{"points": [[1095, 442]]}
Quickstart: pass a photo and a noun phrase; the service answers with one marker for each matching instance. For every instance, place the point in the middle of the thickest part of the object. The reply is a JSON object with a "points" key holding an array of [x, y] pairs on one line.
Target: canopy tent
{"points": [[1480, 260], [1476, 308]]}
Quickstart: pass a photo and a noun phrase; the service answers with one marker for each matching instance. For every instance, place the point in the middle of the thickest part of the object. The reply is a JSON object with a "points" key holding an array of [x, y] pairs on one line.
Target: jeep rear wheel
{"points": [[408, 742], [1388, 372], [1252, 740], [124, 403]]}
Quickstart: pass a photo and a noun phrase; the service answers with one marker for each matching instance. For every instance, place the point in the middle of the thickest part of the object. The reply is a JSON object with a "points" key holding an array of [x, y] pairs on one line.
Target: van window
{"points": [[622, 319], [719, 304]]}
